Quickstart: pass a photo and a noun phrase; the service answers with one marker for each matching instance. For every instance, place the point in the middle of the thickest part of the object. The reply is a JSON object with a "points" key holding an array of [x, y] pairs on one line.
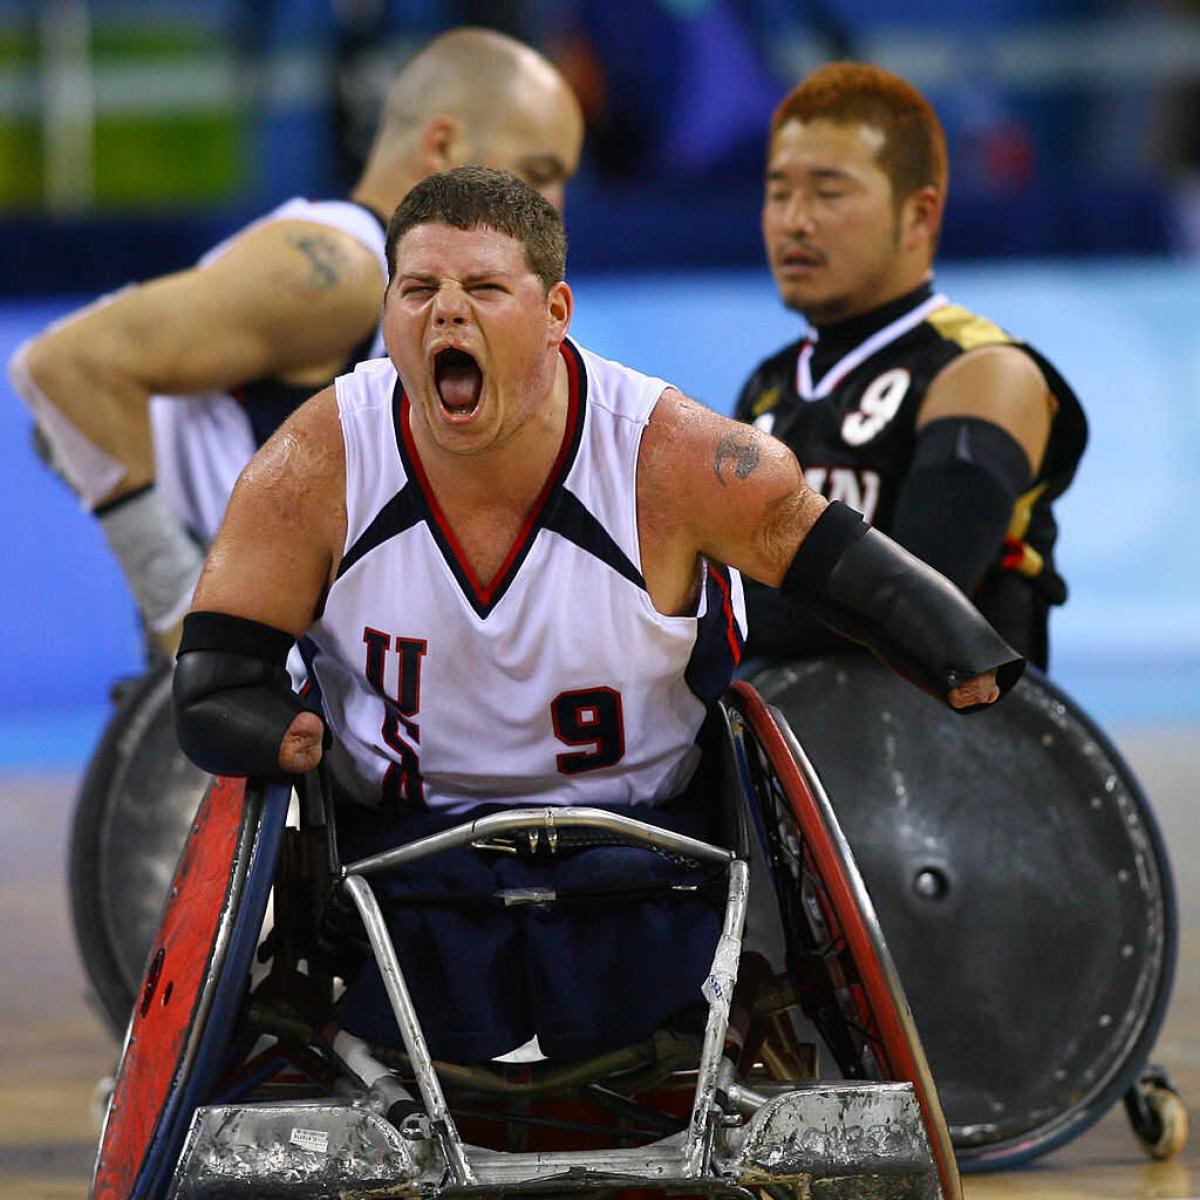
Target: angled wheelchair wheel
{"points": [[194, 982], [132, 815], [837, 958], [1021, 882]]}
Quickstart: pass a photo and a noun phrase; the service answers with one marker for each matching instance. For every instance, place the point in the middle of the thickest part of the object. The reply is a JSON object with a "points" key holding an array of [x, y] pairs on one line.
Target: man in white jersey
{"points": [[153, 400], [514, 566]]}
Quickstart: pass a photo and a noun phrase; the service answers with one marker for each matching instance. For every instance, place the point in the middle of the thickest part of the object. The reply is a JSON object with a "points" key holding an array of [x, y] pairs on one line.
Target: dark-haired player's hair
{"points": [[472, 197], [913, 154]]}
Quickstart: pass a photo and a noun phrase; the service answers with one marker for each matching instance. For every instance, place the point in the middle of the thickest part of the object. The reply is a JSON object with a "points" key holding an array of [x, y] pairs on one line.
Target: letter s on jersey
{"points": [[880, 401]]}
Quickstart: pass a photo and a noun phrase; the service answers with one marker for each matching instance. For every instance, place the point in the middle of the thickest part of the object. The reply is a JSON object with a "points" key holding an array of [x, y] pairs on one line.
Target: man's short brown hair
{"points": [[913, 154], [473, 197]]}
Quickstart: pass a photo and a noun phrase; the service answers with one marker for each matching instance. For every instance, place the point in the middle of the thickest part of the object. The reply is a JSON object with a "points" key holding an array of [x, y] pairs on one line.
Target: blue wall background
{"points": [[1126, 334]]}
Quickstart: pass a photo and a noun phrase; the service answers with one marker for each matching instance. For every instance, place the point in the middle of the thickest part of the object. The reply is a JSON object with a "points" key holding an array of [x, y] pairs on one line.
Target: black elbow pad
{"points": [[867, 588], [233, 695]]}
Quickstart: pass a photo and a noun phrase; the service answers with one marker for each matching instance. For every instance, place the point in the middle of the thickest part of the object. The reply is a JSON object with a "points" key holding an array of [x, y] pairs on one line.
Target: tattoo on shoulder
{"points": [[737, 451], [323, 259]]}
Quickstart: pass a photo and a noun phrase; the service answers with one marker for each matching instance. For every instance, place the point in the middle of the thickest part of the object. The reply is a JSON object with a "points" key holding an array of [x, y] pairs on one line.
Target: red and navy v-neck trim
{"points": [[483, 597]]}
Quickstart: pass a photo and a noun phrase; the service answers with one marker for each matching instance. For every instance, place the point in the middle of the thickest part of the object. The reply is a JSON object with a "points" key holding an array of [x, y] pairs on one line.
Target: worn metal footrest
{"points": [[843, 1141]]}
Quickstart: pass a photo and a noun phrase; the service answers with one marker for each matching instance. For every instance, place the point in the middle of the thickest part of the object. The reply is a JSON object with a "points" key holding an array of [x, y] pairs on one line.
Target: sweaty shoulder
{"points": [[687, 439], [298, 476], [280, 543]]}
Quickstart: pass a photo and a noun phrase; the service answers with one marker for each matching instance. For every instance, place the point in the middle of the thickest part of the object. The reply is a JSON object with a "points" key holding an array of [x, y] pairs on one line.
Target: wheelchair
{"points": [[1025, 892], [232, 1085], [964, 919]]}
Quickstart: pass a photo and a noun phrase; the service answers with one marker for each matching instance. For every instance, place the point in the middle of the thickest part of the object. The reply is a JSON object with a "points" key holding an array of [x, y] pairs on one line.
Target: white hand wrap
{"points": [[92, 473], [160, 561]]}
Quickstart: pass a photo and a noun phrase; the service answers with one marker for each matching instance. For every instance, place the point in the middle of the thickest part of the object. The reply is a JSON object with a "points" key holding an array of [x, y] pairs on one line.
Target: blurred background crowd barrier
{"points": [[1074, 125], [134, 134]]}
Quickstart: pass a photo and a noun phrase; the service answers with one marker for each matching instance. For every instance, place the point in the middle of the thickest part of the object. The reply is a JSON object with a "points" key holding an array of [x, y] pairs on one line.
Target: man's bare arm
{"points": [[724, 490], [1000, 384], [277, 551], [981, 433], [737, 495], [286, 300], [281, 539]]}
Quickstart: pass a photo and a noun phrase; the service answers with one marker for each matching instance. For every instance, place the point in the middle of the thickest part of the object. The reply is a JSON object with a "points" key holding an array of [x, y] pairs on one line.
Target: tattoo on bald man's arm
{"points": [[738, 451], [322, 255]]}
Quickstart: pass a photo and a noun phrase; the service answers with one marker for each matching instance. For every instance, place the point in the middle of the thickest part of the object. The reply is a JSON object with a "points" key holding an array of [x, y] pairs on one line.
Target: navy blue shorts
{"points": [[585, 976]]}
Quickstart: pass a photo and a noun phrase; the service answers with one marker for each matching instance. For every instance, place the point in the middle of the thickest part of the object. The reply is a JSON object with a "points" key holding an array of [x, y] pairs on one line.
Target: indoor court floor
{"points": [[53, 1049]]}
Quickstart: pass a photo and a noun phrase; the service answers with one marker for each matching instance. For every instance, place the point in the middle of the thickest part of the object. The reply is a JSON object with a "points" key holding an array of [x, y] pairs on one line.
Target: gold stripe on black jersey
{"points": [[962, 327], [764, 401], [1018, 525], [1018, 554]]}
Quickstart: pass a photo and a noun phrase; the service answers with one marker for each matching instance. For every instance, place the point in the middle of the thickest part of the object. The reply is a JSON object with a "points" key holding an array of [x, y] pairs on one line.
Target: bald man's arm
{"points": [[288, 299]]}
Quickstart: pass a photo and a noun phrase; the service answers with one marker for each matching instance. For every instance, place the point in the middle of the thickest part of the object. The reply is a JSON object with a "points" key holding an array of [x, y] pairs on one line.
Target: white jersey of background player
{"points": [[558, 682], [201, 446]]}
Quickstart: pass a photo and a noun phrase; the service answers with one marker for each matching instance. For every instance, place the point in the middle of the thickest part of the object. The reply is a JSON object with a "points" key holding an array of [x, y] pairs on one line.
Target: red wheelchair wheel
{"points": [[837, 957], [196, 973], [133, 812]]}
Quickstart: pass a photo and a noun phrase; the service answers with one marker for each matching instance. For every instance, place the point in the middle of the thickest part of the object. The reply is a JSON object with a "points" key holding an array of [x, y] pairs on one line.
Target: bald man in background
{"points": [[151, 401]]}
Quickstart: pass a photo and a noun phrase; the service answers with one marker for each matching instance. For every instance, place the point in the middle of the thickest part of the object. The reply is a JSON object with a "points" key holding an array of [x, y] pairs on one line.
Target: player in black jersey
{"points": [[288, 304], [943, 430]]}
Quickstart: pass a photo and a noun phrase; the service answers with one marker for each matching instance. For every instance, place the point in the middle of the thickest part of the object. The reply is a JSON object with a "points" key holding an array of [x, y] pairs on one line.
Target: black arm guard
{"points": [[867, 588], [233, 696], [957, 496]]}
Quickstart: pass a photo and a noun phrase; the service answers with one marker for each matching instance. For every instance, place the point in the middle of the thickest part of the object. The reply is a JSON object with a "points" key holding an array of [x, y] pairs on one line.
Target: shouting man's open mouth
{"points": [[459, 382]]}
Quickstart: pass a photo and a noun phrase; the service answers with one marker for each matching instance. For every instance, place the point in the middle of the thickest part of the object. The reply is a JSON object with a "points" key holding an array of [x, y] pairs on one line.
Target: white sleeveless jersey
{"points": [[557, 682], [202, 442]]}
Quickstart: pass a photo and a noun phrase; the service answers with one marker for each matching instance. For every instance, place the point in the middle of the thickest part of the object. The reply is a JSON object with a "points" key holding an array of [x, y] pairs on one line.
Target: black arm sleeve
{"points": [[956, 499], [864, 586], [233, 696]]}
